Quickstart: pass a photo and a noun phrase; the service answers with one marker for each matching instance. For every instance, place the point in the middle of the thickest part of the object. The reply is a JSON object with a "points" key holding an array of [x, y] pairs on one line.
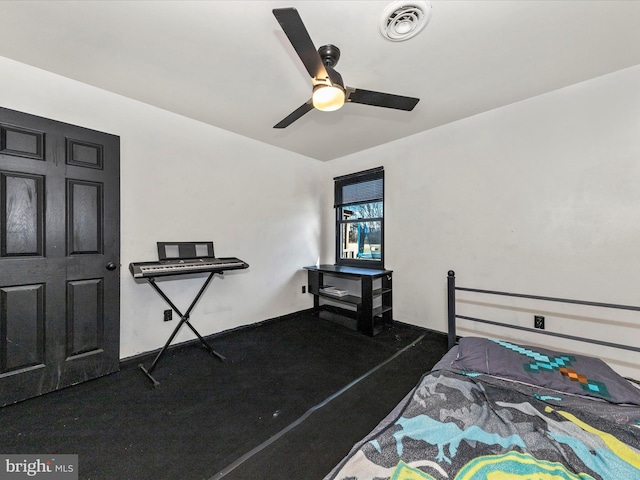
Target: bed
{"points": [[495, 409]]}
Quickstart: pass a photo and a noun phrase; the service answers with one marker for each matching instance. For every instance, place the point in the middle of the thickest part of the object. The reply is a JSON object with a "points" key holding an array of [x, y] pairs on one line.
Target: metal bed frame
{"points": [[452, 316]]}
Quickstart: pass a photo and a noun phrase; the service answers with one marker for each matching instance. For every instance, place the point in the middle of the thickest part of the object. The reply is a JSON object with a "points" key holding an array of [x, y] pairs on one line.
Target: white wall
{"points": [[182, 180], [538, 197]]}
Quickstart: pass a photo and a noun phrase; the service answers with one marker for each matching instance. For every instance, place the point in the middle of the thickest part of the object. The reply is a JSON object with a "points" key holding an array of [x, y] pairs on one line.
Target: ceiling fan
{"points": [[329, 92]]}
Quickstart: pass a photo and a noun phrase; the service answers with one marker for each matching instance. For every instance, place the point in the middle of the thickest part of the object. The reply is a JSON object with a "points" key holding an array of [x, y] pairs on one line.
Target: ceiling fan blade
{"points": [[295, 30], [295, 115], [379, 99]]}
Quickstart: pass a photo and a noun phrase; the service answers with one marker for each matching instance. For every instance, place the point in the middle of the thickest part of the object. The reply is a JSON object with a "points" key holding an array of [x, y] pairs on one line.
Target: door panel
{"points": [[22, 142], [23, 327], [59, 228], [21, 229], [85, 217], [86, 318]]}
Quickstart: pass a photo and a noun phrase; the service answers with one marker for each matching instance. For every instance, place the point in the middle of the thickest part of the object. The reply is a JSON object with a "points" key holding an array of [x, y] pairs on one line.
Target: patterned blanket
{"points": [[464, 426]]}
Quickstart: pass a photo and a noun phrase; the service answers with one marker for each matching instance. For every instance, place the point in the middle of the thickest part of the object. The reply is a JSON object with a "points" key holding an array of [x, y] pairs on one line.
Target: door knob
{"points": [[111, 266]]}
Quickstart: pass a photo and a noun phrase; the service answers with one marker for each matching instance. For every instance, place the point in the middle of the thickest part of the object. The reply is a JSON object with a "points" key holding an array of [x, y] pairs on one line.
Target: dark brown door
{"points": [[59, 255]]}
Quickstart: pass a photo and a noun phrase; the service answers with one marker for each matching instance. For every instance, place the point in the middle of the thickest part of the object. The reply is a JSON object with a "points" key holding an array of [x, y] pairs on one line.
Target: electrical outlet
{"points": [[168, 315], [538, 322], [304, 289]]}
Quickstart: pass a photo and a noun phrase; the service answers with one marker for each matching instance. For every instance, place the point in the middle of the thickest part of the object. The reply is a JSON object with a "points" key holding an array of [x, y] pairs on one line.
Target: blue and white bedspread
{"points": [[463, 423]]}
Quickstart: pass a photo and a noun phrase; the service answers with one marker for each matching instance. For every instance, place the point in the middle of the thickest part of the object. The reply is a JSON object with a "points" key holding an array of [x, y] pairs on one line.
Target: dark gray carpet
{"points": [[206, 414]]}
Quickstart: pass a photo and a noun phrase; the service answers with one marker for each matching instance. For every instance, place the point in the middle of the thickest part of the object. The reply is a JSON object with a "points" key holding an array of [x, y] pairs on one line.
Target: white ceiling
{"points": [[229, 64]]}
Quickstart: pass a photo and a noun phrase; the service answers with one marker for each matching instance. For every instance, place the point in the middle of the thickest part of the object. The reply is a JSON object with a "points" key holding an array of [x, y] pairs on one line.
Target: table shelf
{"points": [[369, 320]]}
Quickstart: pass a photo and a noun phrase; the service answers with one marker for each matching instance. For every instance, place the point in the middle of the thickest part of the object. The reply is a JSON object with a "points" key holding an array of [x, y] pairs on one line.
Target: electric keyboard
{"points": [[184, 266]]}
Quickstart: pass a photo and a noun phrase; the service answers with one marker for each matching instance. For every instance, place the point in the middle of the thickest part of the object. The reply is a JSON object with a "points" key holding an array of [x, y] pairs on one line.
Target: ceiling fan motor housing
{"points": [[330, 55]]}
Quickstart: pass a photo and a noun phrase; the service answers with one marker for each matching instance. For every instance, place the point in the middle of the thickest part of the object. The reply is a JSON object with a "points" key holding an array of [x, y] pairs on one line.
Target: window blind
{"points": [[360, 188]]}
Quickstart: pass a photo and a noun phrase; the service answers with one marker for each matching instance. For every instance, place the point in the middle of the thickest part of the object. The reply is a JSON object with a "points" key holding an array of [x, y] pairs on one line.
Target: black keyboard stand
{"points": [[184, 319]]}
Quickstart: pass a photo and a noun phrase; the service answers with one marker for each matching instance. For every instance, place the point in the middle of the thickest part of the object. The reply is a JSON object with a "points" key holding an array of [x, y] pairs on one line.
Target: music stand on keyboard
{"points": [[211, 265]]}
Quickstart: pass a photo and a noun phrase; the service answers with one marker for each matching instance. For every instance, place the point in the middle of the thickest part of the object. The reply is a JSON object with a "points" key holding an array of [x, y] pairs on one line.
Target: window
{"points": [[359, 203]]}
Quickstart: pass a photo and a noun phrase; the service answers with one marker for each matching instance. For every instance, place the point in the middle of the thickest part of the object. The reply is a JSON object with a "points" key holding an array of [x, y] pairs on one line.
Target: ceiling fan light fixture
{"points": [[328, 97]]}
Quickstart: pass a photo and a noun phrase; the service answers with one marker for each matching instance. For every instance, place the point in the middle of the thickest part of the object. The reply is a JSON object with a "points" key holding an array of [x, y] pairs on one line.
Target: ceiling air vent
{"points": [[404, 19]]}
